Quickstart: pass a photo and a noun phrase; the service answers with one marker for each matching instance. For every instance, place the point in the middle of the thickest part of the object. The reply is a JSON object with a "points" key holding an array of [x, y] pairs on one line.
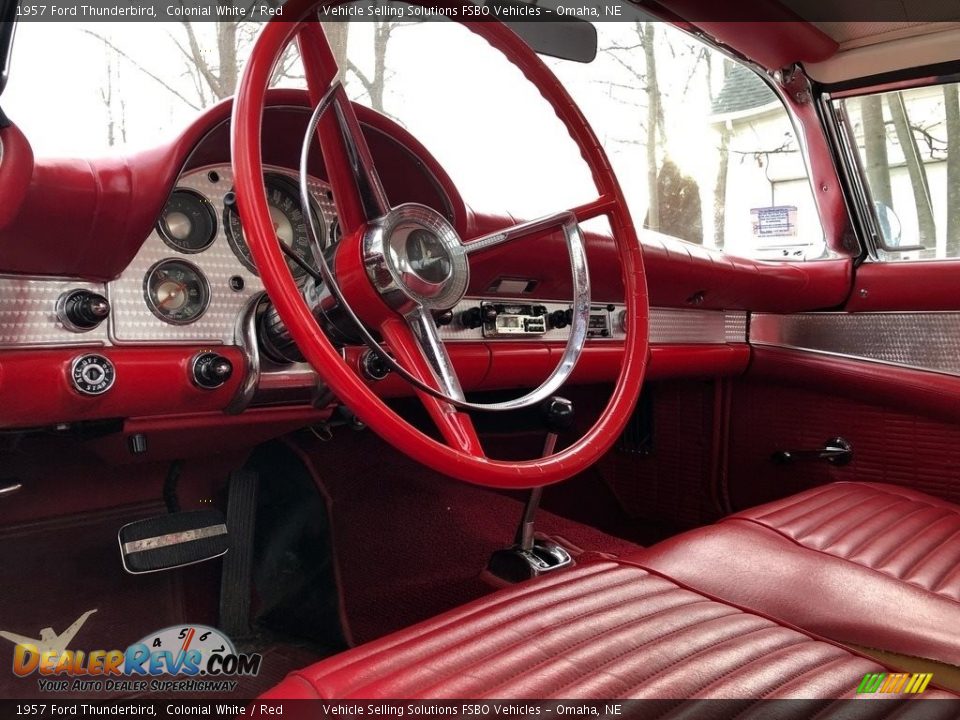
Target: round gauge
{"points": [[176, 292], [188, 222], [289, 221], [194, 643]]}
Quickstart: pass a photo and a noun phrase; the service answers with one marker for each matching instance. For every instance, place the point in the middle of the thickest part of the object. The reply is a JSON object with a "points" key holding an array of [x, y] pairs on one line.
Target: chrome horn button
{"points": [[414, 258]]}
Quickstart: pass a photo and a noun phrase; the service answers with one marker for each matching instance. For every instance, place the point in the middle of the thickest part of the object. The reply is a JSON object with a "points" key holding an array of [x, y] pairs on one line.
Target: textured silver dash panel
{"points": [[926, 341], [696, 327], [28, 313], [735, 326], [131, 319]]}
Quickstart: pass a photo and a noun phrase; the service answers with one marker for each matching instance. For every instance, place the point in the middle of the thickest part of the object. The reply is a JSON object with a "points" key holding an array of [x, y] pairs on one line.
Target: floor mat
{"points": [[66, 572], [410, 543]]}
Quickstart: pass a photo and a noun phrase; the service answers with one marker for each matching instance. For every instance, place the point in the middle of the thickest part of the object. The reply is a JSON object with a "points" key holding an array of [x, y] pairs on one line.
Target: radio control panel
{"points": [[505, 319], [517, 320]]}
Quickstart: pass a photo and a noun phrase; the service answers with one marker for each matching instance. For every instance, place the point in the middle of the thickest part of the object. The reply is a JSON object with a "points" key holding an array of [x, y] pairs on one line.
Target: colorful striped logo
{"points": [[913, 683]]}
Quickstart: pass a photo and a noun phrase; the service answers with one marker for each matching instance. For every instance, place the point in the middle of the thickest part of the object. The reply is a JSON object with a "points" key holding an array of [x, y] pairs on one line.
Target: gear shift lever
{"points": [[557, 416], [529, 557]]}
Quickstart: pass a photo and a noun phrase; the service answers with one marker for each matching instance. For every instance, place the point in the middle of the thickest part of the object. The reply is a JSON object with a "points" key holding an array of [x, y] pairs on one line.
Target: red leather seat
{"points": [[605, 629], [870, 564]]}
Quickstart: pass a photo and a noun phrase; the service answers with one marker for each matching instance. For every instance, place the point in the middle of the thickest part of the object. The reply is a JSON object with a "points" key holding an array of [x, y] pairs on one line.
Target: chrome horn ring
{"points": [[414, 300]]}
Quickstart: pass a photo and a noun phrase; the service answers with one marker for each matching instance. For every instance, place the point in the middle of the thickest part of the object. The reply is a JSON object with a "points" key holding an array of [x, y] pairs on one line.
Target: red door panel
{"points": [[906, 286], [904, 425]]}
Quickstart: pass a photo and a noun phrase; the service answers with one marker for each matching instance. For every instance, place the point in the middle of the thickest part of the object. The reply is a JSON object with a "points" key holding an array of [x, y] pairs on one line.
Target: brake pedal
{"points": [[171, 541]]}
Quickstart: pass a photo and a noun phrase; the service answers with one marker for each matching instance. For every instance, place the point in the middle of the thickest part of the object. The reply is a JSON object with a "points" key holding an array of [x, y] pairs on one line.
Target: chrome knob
{"points": [[211, 370], [82, 310]]}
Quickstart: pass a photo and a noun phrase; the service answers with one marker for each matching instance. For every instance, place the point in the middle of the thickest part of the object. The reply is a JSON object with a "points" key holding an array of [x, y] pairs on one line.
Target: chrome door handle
{"points": [[835, 451]]}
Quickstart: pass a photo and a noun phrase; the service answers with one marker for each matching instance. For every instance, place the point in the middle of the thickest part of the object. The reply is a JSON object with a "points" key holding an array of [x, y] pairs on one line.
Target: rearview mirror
{"points": [[567, 39]]}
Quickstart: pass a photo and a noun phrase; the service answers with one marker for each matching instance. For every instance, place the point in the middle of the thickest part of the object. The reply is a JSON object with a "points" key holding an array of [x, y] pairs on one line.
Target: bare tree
{"points": [[338, 34], [646, 79], [917, 172], [654, 119], [216, 78], [723, 167], [206, 77], [875, 149], [114, 104], [952, 113], [374, 83]]}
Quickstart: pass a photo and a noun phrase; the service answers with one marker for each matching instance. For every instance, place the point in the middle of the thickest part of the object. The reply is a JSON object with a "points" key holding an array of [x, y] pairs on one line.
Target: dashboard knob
{"points": [[471, 318], [443, 318], [211, 370], [82, 310], [373, 366], [560, 318], [489, 313], [557, 414]]}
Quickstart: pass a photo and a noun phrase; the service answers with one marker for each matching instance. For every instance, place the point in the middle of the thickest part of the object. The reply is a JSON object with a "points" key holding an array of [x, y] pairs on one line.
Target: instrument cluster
{"points": [[194, 275]]}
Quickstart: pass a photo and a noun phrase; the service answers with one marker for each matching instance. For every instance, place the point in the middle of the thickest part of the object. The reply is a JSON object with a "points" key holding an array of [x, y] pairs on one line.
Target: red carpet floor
{"points": [[411, 544]]}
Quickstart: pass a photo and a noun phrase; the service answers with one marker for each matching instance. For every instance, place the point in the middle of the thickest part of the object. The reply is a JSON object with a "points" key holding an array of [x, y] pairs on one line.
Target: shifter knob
{"points": [[557, 414]]}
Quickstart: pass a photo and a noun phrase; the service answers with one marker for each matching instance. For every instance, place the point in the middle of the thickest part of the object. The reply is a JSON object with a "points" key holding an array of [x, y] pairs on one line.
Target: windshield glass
{"points": [[683, 125]]}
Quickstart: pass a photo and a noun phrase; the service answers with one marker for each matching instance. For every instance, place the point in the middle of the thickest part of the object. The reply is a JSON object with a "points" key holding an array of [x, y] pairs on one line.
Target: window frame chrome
{"points": [[851, 164]]}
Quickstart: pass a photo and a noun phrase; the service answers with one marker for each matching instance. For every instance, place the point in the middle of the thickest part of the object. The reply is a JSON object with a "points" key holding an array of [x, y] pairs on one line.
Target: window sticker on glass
{"points": [[776, 221]]}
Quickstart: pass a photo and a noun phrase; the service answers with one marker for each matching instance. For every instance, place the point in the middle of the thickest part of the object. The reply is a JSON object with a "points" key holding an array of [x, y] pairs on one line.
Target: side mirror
{"points": [[891, 231], [567, 39], [889, 223]]}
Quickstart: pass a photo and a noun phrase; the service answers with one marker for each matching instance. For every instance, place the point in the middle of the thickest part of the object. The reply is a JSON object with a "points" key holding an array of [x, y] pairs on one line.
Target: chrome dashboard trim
{"points": [[667, 325], [927, 341], [265, 383], [246, 339]]}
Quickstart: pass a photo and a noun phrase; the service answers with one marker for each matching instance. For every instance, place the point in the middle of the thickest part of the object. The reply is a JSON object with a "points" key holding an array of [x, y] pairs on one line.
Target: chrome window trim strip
{"points": [[925, 341]]}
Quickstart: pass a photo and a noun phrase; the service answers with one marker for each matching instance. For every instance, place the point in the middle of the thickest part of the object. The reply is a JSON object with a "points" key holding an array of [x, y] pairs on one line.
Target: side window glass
{"points": [[908, 143], [704, 148]]}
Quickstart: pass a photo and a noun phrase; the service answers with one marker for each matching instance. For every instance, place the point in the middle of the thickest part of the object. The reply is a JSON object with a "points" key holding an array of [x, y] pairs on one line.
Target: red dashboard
{"points": [[107, 227]]}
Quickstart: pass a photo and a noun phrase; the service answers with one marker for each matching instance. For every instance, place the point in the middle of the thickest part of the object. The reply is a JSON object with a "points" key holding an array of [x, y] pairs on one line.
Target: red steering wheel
{"points": [[395, 265]]}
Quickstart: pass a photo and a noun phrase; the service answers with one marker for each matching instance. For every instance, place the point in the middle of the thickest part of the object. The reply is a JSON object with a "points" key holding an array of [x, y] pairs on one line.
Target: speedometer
{"points": [[289, 222]]}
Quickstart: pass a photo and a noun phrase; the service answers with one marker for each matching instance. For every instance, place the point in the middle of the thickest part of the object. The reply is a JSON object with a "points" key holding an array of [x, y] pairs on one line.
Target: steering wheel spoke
{"points": [[563, 219], [416, 343], [358, 191], [517, 232], [395, 259]]}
